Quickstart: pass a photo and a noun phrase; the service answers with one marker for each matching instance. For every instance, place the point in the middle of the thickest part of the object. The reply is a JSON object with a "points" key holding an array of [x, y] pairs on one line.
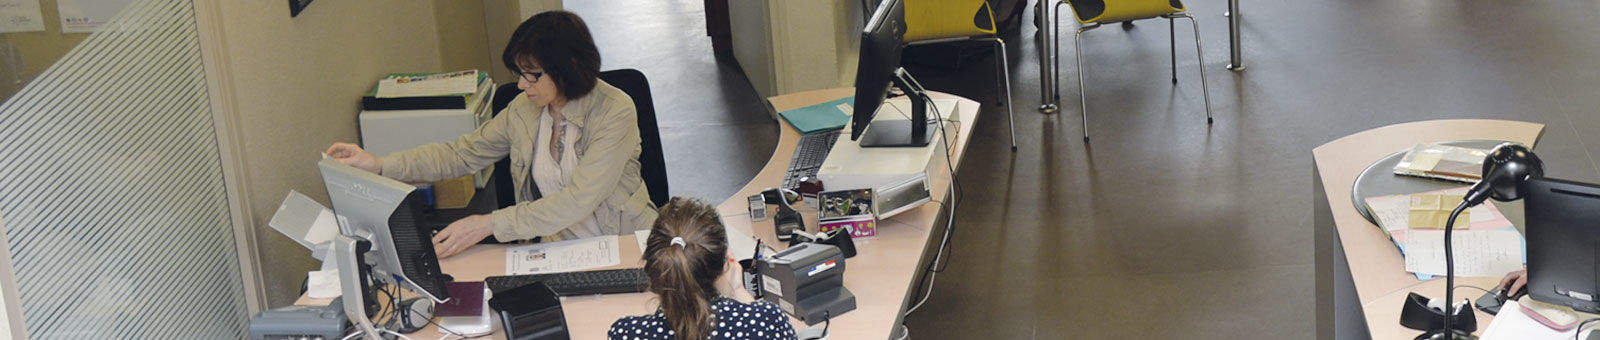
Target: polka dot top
{"points": [[733, 320]]}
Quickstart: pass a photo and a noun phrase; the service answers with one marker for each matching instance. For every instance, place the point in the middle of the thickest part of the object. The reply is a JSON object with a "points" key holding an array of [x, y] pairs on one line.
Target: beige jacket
{"points": [[607, 183]]}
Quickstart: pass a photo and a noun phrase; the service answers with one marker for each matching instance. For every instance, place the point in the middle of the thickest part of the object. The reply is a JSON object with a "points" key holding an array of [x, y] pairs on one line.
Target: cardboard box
{"points": [[453, 193]]}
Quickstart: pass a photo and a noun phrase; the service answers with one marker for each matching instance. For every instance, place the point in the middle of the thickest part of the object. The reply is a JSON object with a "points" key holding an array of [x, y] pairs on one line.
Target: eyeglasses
{"points": [[532, 77]]}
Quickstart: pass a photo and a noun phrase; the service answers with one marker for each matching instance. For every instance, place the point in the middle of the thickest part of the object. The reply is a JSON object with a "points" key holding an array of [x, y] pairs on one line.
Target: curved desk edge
{"points": [[1376, 268]]}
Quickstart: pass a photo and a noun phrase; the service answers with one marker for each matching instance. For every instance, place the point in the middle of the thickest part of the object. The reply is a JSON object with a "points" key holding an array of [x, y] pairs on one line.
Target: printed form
{"points": [[564, 256]]}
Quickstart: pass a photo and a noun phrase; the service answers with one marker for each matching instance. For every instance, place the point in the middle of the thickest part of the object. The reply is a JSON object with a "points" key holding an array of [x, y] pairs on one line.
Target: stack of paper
{"points": [[1489, 246], [1442, 162], [441, 84]]}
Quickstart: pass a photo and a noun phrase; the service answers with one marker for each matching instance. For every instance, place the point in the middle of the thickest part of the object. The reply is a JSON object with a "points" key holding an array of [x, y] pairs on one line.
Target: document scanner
{"points": [[807, 281]]}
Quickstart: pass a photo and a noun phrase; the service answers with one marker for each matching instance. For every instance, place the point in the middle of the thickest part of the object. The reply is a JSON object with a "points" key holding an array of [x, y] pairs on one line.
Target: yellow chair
{"points": [[1093, 13], [937, 21]]}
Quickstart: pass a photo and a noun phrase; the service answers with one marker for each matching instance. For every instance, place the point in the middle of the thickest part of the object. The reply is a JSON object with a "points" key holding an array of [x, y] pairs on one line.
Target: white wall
{"points": [[792, 46]]}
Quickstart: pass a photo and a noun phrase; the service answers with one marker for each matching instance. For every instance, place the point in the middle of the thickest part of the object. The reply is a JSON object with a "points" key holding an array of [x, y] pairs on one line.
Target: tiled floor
{"points": [[1162, 226]]}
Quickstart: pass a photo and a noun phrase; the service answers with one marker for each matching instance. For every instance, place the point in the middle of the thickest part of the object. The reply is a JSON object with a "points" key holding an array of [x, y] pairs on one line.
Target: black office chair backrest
{"points": [[505, 194], [652, 162]]}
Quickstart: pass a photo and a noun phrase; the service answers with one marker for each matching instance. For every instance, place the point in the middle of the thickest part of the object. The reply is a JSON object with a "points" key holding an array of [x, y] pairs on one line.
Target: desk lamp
{"points": [[1504, 170]]}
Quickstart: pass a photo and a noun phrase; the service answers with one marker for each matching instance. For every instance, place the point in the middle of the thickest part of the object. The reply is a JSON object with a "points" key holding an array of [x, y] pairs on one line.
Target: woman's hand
{"points": [[462, 234], [1513, 282], [353, 155], [732, 284]]}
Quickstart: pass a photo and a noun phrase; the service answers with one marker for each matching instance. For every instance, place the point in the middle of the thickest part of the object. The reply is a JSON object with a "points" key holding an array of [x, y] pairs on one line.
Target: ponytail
{"points": [[683, 273]]}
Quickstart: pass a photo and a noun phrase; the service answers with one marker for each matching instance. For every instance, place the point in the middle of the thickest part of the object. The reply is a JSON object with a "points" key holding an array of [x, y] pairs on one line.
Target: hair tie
{"points": [[678, 241]]}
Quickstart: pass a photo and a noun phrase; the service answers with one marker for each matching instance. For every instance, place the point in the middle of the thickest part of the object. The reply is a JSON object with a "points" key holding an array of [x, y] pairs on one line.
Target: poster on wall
{"points": [[85, 16], [20, 16]]}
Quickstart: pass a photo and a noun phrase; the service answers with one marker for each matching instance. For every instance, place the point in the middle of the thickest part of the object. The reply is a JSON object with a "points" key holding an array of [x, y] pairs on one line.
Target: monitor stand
{"points": [[910, 133], [349, 253]]}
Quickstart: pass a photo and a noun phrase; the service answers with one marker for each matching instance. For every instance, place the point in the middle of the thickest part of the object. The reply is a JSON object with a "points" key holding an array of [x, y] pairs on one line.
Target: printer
{"points": [[807, 281]]}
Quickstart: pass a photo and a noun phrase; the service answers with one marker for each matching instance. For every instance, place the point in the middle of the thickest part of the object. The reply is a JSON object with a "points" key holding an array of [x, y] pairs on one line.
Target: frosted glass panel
{"points": [[111, 189]]}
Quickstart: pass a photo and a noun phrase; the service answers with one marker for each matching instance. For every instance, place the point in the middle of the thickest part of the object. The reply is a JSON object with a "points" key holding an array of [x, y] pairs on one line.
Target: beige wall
{"points": [[500, 18], [37, 50], [291, 87]]}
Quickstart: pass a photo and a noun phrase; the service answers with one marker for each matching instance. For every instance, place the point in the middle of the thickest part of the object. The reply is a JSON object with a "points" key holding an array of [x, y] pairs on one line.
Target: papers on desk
{"points": [[306, 222], [564, 256], [1514, 324], [740, 245], [1477, 252], [1487, 252]]}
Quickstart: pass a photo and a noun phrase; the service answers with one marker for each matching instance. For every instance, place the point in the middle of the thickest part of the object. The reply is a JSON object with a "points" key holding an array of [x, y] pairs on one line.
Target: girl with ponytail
{"points": [[687, 260]]}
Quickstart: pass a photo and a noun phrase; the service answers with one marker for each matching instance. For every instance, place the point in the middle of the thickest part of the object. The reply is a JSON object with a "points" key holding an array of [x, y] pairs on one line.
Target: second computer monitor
{"points": [[879, 66], [1563, 229], [386, 213]]}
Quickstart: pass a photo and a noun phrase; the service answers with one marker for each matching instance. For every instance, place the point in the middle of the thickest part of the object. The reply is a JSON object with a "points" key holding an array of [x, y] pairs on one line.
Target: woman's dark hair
{"points": [[559, 42], [684, 277]]}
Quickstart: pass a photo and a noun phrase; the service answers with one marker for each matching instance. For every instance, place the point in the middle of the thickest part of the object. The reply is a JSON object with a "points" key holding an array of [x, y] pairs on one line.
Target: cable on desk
{"points": [[352, 335], [450, 333], [1485, 291], [397, 334], [1579, 331], [955, 190], [827, 320], [950, 219]]}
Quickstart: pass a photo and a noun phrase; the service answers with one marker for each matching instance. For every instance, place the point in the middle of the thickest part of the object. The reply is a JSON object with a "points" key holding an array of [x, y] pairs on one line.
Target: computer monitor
{"points": [[1563, 234], [386, 213], [879, 66]]}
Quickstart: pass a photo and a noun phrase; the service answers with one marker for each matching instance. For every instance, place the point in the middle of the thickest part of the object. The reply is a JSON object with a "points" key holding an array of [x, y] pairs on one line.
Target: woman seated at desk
{"points": [[686, 258], [573, 141]]}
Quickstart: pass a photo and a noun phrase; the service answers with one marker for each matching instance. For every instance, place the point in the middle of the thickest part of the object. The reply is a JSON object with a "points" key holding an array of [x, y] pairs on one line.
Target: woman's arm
{"points": [[613, 135], [467, 154]]}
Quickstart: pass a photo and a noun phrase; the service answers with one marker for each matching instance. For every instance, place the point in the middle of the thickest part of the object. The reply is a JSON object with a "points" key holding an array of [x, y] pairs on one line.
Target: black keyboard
{"points": [[614, 281], [808, 156]]}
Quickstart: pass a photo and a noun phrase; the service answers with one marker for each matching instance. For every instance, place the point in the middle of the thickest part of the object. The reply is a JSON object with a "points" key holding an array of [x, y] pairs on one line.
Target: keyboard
{"points": [[808, 157], [614, 281]]}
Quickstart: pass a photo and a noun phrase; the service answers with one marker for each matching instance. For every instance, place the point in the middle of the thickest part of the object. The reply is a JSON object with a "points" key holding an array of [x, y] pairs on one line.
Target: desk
{"points": [[1375, 266], [881, 274]]}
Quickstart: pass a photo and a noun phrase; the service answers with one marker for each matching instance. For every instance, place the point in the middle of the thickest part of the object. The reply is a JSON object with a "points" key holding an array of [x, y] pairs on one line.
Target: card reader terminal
{"points": [[807, 281]]}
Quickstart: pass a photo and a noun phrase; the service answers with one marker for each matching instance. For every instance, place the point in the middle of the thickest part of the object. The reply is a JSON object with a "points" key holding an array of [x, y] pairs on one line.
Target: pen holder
{"points": [[1416, 314]]}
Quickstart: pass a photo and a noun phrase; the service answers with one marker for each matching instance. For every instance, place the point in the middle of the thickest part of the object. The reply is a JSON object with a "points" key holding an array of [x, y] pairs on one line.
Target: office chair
{"points": [[652, 162], [936, 21], [1092, 14]]}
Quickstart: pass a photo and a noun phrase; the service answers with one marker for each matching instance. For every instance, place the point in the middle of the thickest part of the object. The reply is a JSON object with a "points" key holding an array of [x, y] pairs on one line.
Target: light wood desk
{"points": [[1375, 265], [881, 275]]}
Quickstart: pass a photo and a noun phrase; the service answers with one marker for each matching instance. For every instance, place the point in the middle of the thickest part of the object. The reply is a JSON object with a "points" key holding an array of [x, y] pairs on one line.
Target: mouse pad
{"points": [[466, 299]]}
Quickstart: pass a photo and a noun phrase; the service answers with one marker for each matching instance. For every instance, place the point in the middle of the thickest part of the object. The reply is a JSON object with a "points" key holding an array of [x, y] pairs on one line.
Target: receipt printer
{"points": [[807, 281], [327, 322]]}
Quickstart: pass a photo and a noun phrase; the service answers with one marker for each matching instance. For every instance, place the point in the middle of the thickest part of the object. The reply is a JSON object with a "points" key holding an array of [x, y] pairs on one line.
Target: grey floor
{"points": [[1162, 226]]}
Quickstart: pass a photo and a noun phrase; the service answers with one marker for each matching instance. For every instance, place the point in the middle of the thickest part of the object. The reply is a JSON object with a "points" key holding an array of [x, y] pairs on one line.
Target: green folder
{"points": [[831, 115]]}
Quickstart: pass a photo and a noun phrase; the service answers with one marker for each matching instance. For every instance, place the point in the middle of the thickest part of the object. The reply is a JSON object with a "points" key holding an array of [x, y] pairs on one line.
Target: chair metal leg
{"points": [[1172, 34], [1083, 99], [1041, 14], [1199, 54], [1005, 78], [999, 70], [1055, 51]]}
